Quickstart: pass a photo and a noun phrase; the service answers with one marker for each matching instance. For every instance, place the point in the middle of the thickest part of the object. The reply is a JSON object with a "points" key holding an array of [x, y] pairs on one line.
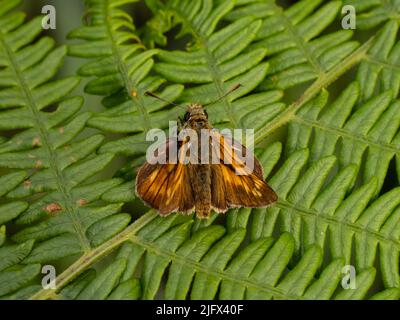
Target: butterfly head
{"points": [[196, 116]]}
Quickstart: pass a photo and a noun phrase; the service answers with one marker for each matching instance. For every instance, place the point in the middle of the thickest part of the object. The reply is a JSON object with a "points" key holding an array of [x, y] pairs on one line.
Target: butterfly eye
{"points": [[186, 116]]}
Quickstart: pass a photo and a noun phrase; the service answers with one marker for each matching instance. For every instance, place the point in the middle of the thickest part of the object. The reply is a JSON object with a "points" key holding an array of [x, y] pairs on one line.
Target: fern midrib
{"points": [[221, 275], [353, 226], [129, 234], [62, 184], [382, 64], [348, 134], [298, 39], [124, 72], [211, 64], [322, 82]]}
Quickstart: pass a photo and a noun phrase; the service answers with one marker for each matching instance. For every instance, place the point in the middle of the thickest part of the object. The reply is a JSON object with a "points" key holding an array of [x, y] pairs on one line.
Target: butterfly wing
{"points": [[166, 187], [234, 183], [238, 180]]}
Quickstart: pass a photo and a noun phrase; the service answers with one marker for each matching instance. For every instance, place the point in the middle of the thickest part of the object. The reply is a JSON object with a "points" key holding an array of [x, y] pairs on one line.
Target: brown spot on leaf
{"points": [[38, 164], [52, 207], [134, 93], [81, 202], [27, 184], [61, 130], [36, 142]]}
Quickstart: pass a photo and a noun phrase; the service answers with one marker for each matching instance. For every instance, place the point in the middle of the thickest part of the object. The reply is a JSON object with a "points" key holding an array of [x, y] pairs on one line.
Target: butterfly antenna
{"points": [[151, 94], [235, 87]]}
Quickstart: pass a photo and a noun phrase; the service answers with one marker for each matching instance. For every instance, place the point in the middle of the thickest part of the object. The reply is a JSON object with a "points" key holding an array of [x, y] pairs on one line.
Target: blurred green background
{"points": [[69, 16]]}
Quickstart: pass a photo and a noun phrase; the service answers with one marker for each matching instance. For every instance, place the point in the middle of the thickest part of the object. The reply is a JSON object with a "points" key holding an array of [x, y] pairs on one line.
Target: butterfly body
{"points": [[206, 184], [200, 174], [201, 185]]}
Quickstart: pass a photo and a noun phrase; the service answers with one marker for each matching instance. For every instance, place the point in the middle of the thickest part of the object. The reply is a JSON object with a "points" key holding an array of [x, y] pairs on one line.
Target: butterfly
{"points": [[183, 186]]}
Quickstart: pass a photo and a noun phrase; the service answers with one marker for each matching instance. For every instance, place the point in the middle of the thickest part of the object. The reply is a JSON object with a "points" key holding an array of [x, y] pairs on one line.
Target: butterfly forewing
{"points": [[230, 189], [166, 187]]}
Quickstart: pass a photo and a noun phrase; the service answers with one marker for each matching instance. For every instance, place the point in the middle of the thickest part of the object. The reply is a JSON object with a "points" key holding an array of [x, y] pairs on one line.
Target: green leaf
{"points": [[17, 277], [103, 284], [14, 254], [127, 290]]}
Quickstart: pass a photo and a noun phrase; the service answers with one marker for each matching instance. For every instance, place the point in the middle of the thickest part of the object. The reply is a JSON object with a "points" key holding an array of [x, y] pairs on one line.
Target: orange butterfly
{"points": [[185, 186]]}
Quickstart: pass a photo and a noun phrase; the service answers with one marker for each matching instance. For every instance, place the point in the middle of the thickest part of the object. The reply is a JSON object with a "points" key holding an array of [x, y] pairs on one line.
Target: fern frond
{"points": [[300, 54], [317, 209], [364, 118], [56, 218], [368, 135], [121, 67], [296, 53], [328, 174], [209, 259]]}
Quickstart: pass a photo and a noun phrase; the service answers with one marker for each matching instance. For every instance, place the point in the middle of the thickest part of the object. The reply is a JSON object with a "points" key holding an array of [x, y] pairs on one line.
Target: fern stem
{"points": [[87, 259], [129, 234], [323, 81], [223, 275]]}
